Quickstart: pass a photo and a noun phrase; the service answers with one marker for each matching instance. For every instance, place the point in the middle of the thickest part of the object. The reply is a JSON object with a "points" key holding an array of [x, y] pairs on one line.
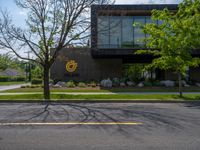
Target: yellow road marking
{"points": [[70, 123]]}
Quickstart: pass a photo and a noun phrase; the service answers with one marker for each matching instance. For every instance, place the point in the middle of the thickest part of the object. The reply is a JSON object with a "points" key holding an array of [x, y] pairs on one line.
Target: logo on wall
{"points": [[71, 66]]}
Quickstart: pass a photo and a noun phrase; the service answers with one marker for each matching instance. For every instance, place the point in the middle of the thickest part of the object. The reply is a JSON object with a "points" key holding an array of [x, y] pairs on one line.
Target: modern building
{"points": [[114, 40]]}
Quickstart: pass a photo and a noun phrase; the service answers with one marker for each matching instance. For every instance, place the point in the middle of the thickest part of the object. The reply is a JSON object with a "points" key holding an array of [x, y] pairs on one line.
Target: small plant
{"points": [[147, 83], [70, 84], [116, 82], [92, 84], [156, 83], [36, 81], [81, 84]]}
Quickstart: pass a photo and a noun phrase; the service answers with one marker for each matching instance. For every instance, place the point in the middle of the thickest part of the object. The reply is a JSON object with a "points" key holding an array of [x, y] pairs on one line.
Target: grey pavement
{"points": [[10, 87], [165, 126]]}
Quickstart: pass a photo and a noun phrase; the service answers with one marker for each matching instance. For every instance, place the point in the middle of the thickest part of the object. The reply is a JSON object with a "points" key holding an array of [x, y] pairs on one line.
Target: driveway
{"points": [[157, 126]]}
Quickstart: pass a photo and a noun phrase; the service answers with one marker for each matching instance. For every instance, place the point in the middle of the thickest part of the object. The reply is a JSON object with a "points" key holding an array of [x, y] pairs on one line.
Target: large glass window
{"points": [[103, 32], [115, 32], [119, 32], [127, 32], [138, 33]]}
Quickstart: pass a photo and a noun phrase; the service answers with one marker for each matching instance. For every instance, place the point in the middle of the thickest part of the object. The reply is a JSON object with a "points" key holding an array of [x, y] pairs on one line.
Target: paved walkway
{"points": [[10, 87], [100, 93]]}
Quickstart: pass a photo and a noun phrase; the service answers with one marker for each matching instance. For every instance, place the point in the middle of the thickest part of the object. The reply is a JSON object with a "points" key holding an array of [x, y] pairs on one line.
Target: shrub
{"points": [[18, 78], [156, 83], [146, 83], [93, 84], [116, 82], [36, 81], [70, 84], [81, 84], [4, 78]]}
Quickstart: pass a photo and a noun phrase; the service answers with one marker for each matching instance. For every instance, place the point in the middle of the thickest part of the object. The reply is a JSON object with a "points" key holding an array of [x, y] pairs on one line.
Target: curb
{"points": [[101, 101]]}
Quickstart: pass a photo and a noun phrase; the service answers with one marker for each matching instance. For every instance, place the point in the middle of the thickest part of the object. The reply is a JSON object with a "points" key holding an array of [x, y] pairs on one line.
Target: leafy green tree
{"points": [[51, 26], [173, 41], [8, 61]]}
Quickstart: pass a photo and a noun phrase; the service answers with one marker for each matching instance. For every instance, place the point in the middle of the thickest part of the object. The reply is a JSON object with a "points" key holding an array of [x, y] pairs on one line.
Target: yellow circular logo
{"points": [[71, 66]]}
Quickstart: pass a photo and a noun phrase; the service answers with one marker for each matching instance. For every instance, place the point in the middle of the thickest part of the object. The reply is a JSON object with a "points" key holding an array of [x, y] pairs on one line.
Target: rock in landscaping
{"points": [[107, 83], [122, 84], [56, 86], [168, 83], [198, 84], [184, 83], [130, 83], [62, 84], [140, 85]]}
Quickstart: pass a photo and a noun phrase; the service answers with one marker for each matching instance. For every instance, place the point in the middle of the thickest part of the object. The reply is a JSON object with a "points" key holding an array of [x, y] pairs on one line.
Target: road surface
{"points": [[157, 126]]}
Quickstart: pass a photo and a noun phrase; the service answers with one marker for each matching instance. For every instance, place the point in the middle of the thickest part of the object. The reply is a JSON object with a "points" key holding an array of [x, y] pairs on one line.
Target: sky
{"points": [[19, 15]]}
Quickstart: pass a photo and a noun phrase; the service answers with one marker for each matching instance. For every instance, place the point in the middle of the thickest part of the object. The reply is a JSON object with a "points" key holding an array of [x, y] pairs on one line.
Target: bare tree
{"points": [[51, 24]]}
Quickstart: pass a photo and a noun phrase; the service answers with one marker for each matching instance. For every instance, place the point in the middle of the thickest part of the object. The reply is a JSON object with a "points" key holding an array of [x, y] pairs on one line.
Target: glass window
{"points": [[138, 33], [103, 32], [127, 32], [148, 19], [115, 32]]}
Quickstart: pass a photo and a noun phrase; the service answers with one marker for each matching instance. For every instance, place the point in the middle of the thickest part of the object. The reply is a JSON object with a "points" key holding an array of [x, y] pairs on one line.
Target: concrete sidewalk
{"points": [[10, 87]]}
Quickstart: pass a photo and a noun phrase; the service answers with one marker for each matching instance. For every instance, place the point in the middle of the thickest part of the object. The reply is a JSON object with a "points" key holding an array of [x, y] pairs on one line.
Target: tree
{"points": [[8, 61], [50, 24], [173, 42]]}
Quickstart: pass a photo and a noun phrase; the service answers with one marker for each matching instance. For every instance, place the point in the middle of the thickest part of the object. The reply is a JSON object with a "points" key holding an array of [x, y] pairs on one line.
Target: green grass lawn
{"points": [[10, 83], [98, 89], [101, 97]]}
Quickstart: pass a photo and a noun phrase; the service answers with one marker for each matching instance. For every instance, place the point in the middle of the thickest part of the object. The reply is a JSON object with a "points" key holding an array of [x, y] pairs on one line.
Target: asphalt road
{"points": [[164, 127]]}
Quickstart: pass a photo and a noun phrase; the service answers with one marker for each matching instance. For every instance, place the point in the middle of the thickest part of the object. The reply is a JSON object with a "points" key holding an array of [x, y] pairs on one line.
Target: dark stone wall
{"points": [[88, 68]]}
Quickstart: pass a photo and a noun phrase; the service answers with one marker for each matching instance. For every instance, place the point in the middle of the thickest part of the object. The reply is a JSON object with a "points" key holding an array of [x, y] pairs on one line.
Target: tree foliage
{"points": [[8, 61], [173, 41], [50, 24]]}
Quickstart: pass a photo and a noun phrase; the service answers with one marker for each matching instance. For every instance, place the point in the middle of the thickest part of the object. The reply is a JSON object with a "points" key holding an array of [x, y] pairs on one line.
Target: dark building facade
{"points": [[114, 39]]}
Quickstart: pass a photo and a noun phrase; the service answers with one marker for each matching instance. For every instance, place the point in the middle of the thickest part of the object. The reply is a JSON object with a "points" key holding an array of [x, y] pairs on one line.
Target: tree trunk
{"points": [[180, 84], [46, 84]]}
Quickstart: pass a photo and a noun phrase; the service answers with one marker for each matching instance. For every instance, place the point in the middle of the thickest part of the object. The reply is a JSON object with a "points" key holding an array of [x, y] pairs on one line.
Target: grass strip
{"points": [[102, 97]]}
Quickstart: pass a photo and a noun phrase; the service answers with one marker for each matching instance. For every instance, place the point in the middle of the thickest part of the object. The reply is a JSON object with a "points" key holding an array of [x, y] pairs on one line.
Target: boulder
{"points": [[141, 84], [62, 84], [130, 83], [107, 83], [198, 84], [56, 86], [184, 83], [122, 84]]}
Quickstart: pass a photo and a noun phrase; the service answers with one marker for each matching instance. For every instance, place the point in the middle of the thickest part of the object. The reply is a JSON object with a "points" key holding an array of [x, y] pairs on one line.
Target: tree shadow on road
{"points": [[151, 117]]}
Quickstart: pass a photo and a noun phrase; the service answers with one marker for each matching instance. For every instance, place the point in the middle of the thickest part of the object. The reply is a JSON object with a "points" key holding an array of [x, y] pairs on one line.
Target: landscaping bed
{"points": [[113, 89]]}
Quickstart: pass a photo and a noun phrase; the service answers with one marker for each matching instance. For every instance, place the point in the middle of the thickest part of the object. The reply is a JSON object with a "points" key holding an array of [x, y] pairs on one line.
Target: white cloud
{"points": [[23, 13], [147, 1]]}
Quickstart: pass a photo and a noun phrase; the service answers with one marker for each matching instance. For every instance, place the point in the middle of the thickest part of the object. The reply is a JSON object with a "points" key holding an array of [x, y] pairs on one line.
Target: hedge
{"points": [[10, 79], [36, 81]]}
